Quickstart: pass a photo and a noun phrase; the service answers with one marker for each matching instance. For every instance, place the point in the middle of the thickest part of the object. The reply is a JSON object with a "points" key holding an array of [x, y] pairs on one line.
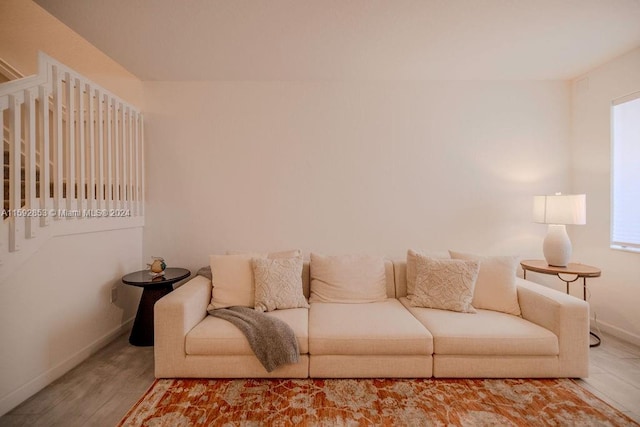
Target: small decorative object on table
{"points": [[157, 267]]}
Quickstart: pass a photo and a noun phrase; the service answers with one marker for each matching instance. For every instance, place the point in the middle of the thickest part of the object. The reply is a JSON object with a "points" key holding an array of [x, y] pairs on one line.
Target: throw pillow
{"points": [[411, 267], [496, 286], [278, 283], [445, 284], [347, 279], [232, 280]]}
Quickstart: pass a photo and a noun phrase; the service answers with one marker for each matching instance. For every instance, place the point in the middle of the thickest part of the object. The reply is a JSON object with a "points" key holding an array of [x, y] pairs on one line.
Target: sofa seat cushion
{"points": [[215, 336], [486, 332], [377, 328]]}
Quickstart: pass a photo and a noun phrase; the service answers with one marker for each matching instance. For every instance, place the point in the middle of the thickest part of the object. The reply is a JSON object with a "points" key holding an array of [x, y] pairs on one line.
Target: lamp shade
{"points": [[560, 209]]}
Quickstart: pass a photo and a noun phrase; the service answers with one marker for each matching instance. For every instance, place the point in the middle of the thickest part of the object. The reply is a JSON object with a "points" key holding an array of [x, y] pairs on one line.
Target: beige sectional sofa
{"points": [[388, 338]]}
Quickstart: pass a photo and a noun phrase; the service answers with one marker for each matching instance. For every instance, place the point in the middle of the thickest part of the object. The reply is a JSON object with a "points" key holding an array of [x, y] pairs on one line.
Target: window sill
{"points": [[625, 248]]}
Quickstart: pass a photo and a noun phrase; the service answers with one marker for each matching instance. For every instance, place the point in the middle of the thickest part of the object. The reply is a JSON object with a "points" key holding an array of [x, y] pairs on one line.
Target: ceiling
{"points": [[263, 40]]}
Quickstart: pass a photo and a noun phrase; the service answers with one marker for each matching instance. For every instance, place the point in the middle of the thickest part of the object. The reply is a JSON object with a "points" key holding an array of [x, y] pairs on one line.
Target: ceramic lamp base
{"points": [[557, 246]]}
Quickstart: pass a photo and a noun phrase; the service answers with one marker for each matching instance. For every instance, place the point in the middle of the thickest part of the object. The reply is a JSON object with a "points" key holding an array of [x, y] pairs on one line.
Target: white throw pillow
{"points": [[278, 283], [232, 280], [347, 279], [496, 285], [411, 267], [445, 284]]}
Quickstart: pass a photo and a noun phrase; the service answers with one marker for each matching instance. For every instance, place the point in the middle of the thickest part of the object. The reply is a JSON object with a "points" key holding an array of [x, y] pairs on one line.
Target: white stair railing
{"points": [[73, 150]]}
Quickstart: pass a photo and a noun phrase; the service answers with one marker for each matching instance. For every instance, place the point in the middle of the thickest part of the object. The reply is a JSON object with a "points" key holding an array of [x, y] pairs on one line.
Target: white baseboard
{"points": [[16, 397], [615, 331]]}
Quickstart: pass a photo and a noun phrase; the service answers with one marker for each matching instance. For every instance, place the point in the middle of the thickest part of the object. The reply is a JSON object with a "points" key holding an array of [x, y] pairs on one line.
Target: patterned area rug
{"points": [[371, 402]]}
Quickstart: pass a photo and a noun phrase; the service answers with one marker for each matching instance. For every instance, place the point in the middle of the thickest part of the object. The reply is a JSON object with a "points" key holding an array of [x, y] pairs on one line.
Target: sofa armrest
{"points": [[174, 316], [564, 315]]}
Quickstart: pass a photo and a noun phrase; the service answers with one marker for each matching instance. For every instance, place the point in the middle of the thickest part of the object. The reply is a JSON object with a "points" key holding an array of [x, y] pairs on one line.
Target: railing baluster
{"points": [[58, 169], [80, 151], [43, 143], [30, 161], [100, 196], [130, 163], [71, 142], [91, 154], [126, 160], [15, 137], [122, 158], [109, 144], [136, 169], [141, 167], [116, 153]]}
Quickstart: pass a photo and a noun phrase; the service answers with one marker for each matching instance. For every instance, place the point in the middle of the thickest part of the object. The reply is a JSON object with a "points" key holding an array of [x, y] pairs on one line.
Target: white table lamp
{"points": [[559, 210]]}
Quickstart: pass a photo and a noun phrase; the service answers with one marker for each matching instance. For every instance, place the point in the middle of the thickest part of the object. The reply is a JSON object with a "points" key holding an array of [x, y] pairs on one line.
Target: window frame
{"points": [[614, 244]]}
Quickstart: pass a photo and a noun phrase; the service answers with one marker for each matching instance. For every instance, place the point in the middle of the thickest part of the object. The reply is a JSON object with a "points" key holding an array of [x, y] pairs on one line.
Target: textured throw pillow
{"points": [[496, 285], [445, 284], [232, 280], [348, 279], [411, 267], [278, 283]]}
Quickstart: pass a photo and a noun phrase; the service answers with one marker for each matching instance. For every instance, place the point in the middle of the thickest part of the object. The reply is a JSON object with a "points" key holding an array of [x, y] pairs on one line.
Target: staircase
{"points": [[73, 160]]}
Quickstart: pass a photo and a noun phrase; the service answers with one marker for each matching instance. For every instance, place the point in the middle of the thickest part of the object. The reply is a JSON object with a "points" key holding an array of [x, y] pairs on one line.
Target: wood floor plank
{"points": [[19, 420], [620, 348], [625, 394], [113, 411]]}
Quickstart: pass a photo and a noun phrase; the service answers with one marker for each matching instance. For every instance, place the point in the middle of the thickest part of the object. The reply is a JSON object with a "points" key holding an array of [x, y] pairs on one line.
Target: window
{"points": [[625, 173]]}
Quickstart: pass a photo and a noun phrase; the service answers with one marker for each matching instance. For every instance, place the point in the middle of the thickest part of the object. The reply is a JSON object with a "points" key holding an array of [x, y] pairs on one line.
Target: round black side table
{"points": [[152, 291]]}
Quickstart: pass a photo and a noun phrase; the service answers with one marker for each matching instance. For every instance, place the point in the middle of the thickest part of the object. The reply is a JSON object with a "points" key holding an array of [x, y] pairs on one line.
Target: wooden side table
{"points": [[153, 290], [575, 271]]}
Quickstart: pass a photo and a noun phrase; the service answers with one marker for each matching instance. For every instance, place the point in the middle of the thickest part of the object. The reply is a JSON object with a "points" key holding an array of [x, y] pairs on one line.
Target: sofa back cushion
{"points": [[350, 279], [400, 277], [390, 279], [232, 280], [496, 286]]}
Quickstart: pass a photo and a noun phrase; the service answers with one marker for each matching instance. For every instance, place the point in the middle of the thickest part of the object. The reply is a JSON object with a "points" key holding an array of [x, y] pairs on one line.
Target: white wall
{"points": [[345, 167], [56, 309], [614, 296]]}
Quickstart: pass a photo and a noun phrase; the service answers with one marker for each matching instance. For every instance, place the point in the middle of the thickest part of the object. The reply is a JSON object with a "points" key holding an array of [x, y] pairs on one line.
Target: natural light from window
{"points": [[625, 173]]}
